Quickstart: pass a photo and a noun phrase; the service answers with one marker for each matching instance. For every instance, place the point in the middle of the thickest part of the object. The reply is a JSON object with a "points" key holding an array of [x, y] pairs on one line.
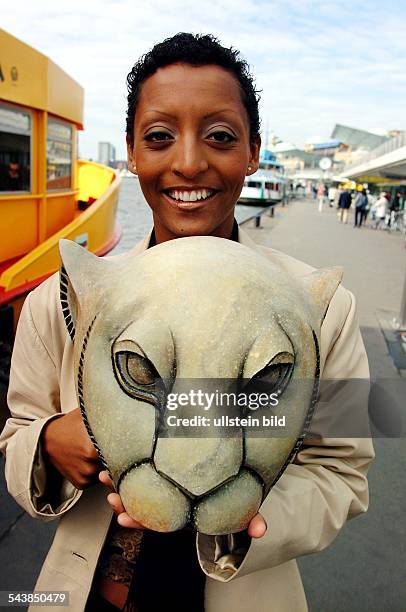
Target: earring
{"points": [[135, 169], [249, 168]]}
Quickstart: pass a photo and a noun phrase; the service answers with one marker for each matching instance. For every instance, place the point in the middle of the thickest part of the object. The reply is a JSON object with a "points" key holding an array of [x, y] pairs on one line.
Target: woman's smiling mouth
{"points": [[187, 198]]}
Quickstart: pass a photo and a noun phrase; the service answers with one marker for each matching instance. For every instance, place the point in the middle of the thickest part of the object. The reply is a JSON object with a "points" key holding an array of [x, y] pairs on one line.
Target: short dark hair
{"points": [[195, 50]]}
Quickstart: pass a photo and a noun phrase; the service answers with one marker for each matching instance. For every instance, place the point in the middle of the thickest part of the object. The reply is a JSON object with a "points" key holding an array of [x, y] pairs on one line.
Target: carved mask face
{"points": [[199, 308]]}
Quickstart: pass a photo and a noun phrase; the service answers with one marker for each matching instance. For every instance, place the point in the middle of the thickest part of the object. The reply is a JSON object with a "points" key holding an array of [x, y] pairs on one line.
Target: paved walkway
{"points": [[364, 569]]}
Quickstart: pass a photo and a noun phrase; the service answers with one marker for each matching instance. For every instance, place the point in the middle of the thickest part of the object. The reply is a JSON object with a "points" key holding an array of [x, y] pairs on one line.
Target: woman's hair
{"points": [[195, 50]]}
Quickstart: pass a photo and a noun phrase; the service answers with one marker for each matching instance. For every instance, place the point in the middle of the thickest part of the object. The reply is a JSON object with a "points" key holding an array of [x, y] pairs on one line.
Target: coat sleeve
{"points": [[324, 486], [33, 399]]}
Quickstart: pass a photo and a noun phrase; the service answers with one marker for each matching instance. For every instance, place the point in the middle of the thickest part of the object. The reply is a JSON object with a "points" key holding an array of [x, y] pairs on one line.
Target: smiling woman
{"points": [[192, 137], [192, 134]]}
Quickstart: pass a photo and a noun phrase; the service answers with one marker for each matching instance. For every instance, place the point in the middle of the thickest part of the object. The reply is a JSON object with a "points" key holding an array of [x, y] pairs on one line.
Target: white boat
{"points": [[262, 187], [267, 185]]}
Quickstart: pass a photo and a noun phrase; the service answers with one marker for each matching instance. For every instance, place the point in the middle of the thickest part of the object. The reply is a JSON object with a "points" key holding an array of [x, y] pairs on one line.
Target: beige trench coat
{"points": [[306, 509]]}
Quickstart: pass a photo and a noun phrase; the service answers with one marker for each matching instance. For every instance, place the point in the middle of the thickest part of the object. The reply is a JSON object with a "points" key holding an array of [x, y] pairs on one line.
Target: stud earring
{"points": [[249, 168]]}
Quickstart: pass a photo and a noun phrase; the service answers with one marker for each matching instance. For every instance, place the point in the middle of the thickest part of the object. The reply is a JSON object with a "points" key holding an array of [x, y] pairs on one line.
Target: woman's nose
{"points": [[189, 159]]}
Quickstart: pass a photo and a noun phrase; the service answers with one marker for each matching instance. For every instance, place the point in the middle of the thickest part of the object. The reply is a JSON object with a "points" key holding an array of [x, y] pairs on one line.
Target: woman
{"points": [[192, 136]]}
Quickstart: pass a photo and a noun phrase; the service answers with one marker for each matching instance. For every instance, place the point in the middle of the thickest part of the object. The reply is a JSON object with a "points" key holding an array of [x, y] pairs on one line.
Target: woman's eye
{"points": [[221, 136], [157, 137]]}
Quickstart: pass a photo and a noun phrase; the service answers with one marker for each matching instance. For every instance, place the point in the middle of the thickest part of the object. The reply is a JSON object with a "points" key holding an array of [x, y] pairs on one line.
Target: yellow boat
{"points": [[45, 193]]}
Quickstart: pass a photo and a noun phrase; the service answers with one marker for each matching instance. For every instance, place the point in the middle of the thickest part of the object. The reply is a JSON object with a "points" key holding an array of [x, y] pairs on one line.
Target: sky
{"points": [[316, 62]]}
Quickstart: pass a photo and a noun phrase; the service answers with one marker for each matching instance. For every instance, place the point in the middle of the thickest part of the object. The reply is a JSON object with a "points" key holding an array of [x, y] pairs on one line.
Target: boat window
{"points": [[255, 184], [15, 148], [59, 155]]}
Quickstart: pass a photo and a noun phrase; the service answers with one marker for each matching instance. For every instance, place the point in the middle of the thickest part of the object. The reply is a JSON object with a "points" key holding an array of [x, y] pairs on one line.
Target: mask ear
{"points": [[79, 273], [321, 285]]}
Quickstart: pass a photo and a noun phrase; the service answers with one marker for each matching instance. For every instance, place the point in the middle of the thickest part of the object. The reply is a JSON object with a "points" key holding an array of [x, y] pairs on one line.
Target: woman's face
{"points": [[192, 149]]}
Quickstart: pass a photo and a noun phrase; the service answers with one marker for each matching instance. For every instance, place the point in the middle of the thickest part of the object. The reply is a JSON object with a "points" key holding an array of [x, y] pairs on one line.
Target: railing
{"points": [[386, 147]]}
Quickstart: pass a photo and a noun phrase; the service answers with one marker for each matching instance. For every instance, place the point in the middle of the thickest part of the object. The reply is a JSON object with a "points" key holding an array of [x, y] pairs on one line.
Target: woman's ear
{"points": [[254, 154], [130, 156]]}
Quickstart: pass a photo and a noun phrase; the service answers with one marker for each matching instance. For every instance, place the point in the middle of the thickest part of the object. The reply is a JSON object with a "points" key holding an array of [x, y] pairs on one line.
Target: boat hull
{"points": [[94, 228]]}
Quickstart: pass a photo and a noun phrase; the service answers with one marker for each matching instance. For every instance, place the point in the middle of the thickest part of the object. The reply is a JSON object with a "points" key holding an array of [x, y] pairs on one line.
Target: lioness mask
{"points": [[197, 308]]}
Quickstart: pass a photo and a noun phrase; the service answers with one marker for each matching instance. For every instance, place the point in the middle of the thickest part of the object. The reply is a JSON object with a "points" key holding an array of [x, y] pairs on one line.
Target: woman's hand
{"points": [[256, 528], [67, 446], [115, 502]]}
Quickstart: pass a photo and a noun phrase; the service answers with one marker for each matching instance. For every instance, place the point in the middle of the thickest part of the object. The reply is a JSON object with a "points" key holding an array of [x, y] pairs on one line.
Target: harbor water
{"points": [[134, 215]]}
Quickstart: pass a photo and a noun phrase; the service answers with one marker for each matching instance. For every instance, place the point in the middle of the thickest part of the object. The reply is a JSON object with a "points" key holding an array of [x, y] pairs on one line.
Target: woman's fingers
{"points": [[257, 527], [106, 480], [115, 502], [125, 520]]}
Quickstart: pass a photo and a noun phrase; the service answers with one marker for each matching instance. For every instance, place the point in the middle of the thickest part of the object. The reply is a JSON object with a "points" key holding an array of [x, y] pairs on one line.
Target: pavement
{"points": [[364, 569]]}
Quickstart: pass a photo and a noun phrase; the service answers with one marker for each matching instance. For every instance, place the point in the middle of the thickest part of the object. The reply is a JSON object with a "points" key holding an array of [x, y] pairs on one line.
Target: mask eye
{"points": [[137, 375], [275, 376], [139, 369]]}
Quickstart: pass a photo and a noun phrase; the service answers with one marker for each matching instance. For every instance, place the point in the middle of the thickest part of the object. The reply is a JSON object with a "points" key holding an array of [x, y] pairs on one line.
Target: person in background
{"points": [[344, 204], [367, 207], [394, 207], [321, 192], [13, 178], [331, 196], [337, 197], [380, 209], [396, 202], [361, 203]]}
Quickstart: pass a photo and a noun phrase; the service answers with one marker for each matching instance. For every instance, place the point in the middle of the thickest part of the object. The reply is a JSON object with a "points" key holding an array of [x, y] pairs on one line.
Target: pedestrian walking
{"points": [[380, 208], [321, 192], [361, 203], [344, 203], [332, 191], [337, 197], [394, 207]]}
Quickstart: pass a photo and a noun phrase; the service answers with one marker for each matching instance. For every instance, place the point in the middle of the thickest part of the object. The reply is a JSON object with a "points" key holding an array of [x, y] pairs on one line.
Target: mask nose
{"points": [[198, 465]]}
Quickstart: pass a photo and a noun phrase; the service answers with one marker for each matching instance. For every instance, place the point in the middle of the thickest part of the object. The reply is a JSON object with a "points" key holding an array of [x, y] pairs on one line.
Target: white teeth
{"points": [[190, 196]]}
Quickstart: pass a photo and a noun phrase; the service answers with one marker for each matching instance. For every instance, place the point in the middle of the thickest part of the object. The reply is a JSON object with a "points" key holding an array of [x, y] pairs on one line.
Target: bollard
{"points": [[258, 220]]}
